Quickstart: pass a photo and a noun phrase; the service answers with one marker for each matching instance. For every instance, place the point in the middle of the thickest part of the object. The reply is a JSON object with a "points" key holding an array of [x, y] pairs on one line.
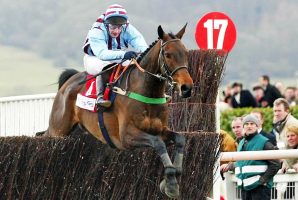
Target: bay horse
{"points": [[129, 122]]}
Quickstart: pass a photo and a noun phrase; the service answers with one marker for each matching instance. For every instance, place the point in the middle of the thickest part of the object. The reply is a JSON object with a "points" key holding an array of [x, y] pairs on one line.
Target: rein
{"points": [[102, 72], [166, 74]]}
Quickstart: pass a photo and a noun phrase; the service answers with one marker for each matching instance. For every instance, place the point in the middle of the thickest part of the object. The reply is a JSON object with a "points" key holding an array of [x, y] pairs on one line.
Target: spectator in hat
{"points": [[254, 177], [242, 98], [258, 113]]}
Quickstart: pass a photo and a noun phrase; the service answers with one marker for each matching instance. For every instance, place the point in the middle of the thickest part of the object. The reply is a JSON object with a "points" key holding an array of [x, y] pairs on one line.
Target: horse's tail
{"points": [[65, 75]]}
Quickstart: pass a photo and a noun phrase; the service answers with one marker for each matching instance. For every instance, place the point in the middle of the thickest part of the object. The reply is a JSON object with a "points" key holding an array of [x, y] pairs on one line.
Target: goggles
{"points": [[115, 26]]}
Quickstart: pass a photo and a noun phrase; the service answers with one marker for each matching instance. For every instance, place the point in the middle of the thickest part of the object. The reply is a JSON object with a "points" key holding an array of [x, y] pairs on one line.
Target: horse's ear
{"points": [[181, 32], [160, 32]]}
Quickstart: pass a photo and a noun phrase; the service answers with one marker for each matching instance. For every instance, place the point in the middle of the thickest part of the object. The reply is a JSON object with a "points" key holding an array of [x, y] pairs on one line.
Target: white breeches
{"points": [[94, 65]]}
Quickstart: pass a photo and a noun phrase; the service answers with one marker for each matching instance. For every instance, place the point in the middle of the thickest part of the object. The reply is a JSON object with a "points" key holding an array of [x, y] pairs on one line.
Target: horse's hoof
{"points": [[162, 186], [172, 192]]}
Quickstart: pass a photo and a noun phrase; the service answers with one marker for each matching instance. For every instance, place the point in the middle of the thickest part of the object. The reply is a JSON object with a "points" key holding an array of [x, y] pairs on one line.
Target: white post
{"points": [[217, 177]]}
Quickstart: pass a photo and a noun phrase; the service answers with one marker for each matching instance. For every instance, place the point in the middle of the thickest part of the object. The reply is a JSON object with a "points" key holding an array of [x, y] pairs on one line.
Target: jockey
{"points": [[107, 42]]}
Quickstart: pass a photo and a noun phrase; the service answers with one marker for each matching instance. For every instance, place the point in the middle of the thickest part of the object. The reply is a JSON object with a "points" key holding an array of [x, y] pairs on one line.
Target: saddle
{"points": [[87, 98]]}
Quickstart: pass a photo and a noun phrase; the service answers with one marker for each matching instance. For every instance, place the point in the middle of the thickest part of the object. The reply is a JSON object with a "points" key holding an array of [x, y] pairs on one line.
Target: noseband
{"points": [[161, 61]]}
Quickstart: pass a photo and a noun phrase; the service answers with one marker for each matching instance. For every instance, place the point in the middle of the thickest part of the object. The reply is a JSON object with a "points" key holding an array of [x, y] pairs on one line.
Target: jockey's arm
{"points": [[135, 39]]}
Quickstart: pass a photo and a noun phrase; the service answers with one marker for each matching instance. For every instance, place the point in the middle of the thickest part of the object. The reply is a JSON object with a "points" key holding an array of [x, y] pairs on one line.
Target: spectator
{"points": [[227, 95], [296, 95], [280, 86], [237, 128], [290, 96], [255, 177], [292, 138], [260, 115], [270, 91], [259, 96], [227, 91], [282, 120], [225, 103], [242, 98], [228, 143]]}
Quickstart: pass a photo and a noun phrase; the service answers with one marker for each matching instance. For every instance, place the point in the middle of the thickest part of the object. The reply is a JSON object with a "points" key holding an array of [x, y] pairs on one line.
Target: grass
{"points": [[23, 72]]}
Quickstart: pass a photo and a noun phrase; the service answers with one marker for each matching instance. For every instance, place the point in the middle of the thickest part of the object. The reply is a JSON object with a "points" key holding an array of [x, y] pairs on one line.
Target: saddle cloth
{"points": [[87, 99]]}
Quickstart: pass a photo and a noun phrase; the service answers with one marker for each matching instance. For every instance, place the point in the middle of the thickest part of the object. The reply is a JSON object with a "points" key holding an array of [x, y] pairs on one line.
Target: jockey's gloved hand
{"points": [[129, 55]]}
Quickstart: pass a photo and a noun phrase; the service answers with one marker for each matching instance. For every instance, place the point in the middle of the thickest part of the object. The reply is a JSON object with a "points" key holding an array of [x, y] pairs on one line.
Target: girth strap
{"points": [[104, 130]]}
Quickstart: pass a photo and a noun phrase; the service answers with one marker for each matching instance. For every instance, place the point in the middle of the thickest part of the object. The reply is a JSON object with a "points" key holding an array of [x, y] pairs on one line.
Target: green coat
{"points": [[249, 172]]}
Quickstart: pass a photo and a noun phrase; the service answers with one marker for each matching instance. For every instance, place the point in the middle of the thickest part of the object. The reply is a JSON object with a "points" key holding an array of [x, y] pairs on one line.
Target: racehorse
{"points": [[132, 123]]}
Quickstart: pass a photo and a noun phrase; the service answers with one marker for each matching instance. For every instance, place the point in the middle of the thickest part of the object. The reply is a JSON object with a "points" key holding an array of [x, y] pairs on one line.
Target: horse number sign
{"points": [[216, 30]]}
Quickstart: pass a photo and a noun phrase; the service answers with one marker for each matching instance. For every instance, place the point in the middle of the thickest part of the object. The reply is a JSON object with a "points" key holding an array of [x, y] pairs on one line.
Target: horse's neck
{"points": [[150, 62], [152, 85], [149, 85]]}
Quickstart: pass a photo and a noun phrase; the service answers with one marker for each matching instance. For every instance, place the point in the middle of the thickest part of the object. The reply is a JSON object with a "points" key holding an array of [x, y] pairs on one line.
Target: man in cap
{"points": [[254, 177], [107, 42]]}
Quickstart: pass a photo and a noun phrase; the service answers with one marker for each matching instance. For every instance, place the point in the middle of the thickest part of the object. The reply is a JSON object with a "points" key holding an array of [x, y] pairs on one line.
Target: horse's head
{"points": [[173, 61]]}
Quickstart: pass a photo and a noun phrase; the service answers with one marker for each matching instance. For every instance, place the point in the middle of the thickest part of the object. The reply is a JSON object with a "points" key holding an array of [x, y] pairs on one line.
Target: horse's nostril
{"points": [[186, 91]]}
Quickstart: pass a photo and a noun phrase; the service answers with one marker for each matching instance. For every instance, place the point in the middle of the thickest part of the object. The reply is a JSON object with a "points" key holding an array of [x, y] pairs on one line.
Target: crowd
{"points": [[263, 94], [255, 177]]}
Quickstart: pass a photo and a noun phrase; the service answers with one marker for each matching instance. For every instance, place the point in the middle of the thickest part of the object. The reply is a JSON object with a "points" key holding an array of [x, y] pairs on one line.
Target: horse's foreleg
{"points": [[179, 141], [142, 139]]}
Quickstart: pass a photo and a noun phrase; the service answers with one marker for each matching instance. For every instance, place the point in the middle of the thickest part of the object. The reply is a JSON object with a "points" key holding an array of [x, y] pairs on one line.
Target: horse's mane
{"points": [[141, 56], [150, 47]]}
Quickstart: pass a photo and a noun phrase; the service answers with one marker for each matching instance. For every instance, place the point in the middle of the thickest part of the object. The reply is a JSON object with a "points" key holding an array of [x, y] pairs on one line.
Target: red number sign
{"points": [[216, 30]]}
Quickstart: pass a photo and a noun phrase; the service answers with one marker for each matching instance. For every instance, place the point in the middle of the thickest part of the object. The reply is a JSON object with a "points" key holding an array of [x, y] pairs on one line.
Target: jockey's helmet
{"points": [[115, 14]]}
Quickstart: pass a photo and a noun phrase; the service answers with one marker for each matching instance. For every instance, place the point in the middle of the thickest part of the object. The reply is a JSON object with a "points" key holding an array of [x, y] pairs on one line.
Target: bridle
{"points": [[166, 74], [165, 71]]}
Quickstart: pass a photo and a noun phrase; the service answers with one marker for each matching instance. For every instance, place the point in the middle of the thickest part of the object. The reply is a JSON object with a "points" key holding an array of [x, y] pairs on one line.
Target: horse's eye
{"points": [[167, 55]]}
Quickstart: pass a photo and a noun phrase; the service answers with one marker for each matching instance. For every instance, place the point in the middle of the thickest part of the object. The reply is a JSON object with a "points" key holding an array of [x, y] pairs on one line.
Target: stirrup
{"points": [[103, 103]]}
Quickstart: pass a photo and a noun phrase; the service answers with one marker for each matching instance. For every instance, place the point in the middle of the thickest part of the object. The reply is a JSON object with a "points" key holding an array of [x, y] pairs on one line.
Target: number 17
{"points": [[211, 24]]}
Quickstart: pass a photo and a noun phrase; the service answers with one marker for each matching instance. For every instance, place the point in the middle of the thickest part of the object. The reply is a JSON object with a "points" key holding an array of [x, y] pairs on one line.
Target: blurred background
{"points": [[40, 38]]}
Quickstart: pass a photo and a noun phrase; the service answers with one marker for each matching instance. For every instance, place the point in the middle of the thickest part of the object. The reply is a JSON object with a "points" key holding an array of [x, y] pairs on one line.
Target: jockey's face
{"points": [[114, 30]]}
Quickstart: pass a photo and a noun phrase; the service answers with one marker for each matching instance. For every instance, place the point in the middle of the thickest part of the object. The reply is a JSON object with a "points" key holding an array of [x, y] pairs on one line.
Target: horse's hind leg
{"points": [[61, 118], [169, 185]]}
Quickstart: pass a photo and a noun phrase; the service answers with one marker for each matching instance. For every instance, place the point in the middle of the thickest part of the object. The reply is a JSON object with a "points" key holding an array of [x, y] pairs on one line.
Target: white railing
{"points": [[291, 190], [288, 181], [25, 115]]}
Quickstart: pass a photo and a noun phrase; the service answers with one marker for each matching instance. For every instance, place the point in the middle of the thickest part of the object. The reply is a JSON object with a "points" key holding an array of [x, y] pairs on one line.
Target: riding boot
{"points": [[100, 90]]}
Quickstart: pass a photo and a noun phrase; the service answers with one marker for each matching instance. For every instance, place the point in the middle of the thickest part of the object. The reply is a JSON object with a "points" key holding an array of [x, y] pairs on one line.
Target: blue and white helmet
{"points": [[115, 14]]}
